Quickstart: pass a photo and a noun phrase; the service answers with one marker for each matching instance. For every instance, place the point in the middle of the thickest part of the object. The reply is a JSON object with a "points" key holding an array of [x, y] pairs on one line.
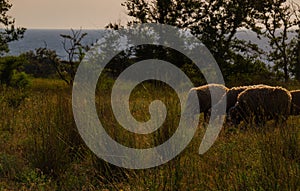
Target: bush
{"points": [[246, 71], [40, 65], [20, 80], [10, 72]]}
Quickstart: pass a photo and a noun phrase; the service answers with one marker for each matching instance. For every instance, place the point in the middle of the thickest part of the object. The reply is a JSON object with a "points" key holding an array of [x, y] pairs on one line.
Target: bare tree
{"points": [[72, 44]]}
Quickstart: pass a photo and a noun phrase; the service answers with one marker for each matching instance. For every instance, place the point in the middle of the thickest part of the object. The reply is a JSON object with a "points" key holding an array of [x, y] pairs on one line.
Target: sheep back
{"points": [[232, 95], [204, 97]]}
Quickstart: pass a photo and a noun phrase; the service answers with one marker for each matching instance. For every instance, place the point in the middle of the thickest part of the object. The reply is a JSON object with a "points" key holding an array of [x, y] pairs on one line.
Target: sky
{"points": [[66, 14]]}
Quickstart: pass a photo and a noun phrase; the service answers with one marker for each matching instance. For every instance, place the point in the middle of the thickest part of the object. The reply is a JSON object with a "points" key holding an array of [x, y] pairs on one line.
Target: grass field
{"points": [[40, 148]]}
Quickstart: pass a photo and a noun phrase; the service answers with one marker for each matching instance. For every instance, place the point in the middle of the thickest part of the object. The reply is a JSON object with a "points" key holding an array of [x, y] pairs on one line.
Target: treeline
{"points": [[216, 23]]}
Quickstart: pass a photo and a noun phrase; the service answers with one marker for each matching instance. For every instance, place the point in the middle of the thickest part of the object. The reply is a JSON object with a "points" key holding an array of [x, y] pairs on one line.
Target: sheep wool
{"points": [[204, 97], [261, 103], [232, 95]]}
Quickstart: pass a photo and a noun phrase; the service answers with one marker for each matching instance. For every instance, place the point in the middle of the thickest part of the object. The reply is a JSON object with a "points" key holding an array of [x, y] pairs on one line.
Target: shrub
{"points": [[10, 72]]}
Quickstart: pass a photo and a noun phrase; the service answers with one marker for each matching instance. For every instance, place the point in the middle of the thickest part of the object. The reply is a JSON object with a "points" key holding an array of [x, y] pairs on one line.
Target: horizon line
{"points": [[43, 28]]}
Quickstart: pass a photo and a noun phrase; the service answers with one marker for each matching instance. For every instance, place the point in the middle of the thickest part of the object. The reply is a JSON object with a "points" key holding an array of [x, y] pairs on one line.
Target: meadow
{"points": [[40, 148]]}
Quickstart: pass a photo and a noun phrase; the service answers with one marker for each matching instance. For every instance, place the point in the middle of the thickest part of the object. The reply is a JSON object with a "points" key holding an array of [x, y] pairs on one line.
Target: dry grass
{"points": [[40, 149]]}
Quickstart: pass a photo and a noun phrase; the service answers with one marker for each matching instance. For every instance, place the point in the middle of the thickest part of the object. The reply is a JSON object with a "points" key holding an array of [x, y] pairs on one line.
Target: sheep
{"points": [[261, 103], [295, 106], [232, 94], [204, 98]]}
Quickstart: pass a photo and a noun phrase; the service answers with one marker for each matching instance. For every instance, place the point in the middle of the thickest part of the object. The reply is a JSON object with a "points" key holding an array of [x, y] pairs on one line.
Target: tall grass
{"points": [[40, 149]]}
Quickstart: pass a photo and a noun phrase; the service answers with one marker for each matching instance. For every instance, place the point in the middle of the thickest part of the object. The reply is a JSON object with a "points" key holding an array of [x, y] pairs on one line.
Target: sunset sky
{"points": [[66, 14]]}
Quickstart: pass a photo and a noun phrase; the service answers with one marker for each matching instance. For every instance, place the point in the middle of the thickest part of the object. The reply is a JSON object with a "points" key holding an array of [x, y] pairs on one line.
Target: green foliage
{"points": [[215, 23], [8, 30], [10, 72], [194, 74], [294, 53], [34, 179], [8, 67], [245, 71], [20, 80], [44, 62], [278, 21], [46, 59], [38, 65]]}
